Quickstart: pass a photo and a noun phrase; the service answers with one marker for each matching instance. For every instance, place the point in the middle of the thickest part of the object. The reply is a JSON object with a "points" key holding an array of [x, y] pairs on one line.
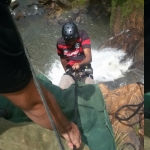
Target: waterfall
{"points": [[106, 65]]}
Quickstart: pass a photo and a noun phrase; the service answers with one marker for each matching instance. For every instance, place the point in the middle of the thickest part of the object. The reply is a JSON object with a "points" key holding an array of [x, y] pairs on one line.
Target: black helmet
{"points": [[69, 31]]}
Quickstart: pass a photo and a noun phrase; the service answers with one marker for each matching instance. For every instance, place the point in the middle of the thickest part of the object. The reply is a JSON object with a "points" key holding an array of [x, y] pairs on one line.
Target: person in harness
{"points": [[74, 49]]}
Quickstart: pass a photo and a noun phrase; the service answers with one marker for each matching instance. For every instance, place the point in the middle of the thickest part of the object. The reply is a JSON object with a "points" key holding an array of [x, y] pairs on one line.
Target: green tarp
{"points": [[147, 101], [93, 120]]}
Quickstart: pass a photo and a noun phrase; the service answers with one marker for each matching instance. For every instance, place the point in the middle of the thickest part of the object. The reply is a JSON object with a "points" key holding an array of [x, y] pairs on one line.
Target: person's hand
{"points": [[76, 66], [73, 136]]}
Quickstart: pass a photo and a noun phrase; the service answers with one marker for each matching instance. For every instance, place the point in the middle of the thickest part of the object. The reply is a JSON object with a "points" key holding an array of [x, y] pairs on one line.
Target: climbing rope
{"points": [[139, 106], [76, 101]]}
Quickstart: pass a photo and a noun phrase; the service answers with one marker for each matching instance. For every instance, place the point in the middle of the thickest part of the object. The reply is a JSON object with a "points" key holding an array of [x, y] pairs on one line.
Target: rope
{"points": [[139, 106], [44, 102], [76, 102]]}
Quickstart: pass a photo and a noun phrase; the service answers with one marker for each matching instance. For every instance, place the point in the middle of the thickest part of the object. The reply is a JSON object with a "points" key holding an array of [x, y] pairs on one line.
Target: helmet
{"points": [[69, 31]]}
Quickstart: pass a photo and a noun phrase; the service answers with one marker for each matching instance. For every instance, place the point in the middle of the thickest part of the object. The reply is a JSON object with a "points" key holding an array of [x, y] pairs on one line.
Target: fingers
{"points": [[73, 137], [75, 66], [70, 145]]}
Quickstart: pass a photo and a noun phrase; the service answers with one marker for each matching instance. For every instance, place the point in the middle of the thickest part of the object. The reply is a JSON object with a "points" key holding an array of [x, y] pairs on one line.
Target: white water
{"points": [[106, 65]]}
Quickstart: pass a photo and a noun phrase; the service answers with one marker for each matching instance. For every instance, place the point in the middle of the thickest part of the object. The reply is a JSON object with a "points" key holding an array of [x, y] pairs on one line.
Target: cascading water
{"points": [[106, 65]]}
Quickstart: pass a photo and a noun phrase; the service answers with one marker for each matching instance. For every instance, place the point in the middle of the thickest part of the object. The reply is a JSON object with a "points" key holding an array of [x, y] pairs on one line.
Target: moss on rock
{"points": [[122, 10]]}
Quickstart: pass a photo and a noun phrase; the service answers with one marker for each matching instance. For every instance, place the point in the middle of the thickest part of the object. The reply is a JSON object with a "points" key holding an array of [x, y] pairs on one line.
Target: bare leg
{"points": [[66, 81], [88, 80]]}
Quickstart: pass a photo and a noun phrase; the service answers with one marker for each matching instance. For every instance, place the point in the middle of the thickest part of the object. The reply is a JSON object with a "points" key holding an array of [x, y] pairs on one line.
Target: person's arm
{"points": [[86, 60], [29, 101], [63, 62]]}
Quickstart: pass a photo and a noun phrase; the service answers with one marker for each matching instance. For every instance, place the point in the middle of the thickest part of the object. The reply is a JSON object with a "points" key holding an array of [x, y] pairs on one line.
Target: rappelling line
{"points": [[76, 101], [76, 97], [132, 105]]}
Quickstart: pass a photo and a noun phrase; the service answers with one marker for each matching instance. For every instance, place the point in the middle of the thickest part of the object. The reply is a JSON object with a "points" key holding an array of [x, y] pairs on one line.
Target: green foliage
{"points": [[119, 140], [76, 3], [126, 8], [81, 2]]}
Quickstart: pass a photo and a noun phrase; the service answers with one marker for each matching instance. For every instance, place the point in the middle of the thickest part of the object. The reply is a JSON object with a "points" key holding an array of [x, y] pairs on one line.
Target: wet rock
{"points": [[14, 4], [83, 10], [33, 9], [75, 11], [25, 11], [45, 1], [59, 14], [65, 4], [108, 11], [52, 22], [131, 41], [78, 19], [21, 11], [27, 2], [56, 7]]}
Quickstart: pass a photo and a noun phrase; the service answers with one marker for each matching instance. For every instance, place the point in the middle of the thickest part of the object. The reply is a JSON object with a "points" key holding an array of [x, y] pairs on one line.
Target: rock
{"points": [[131, 41], [30, 136], [66, 4], [14, 4], [83, 10], [45, 1], [21, 11], [75, 11], [51, 21], [78, 19]]}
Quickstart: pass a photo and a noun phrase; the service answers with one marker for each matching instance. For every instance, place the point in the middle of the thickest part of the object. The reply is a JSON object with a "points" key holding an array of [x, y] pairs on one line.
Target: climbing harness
{"points": [[80, 74]]}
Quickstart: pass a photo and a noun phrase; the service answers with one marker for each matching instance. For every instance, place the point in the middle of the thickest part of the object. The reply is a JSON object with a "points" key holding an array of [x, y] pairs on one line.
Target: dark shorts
{"points": [[15, 72]]}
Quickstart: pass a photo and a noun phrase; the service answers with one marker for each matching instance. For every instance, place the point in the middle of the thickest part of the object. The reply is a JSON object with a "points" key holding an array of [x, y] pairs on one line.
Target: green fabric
{"points": [[147, 101], [93, 120], [15, 113]]}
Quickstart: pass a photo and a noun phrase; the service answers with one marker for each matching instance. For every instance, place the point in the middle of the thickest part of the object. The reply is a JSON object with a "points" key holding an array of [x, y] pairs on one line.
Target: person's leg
{"points": [[88, 80], [66, 81]]}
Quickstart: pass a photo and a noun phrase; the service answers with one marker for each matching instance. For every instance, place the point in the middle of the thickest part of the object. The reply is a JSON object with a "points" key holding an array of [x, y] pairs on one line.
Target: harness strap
{"points": [[84, 71]]}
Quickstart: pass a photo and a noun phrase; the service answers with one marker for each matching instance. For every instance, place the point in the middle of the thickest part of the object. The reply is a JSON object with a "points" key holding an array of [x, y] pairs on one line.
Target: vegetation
{"points": [[125, 7], [78, 3], [119, 140]]}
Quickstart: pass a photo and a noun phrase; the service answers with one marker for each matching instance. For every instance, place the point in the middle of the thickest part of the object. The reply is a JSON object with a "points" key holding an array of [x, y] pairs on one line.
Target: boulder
{"points": [[45, 1], [29, 136]]}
